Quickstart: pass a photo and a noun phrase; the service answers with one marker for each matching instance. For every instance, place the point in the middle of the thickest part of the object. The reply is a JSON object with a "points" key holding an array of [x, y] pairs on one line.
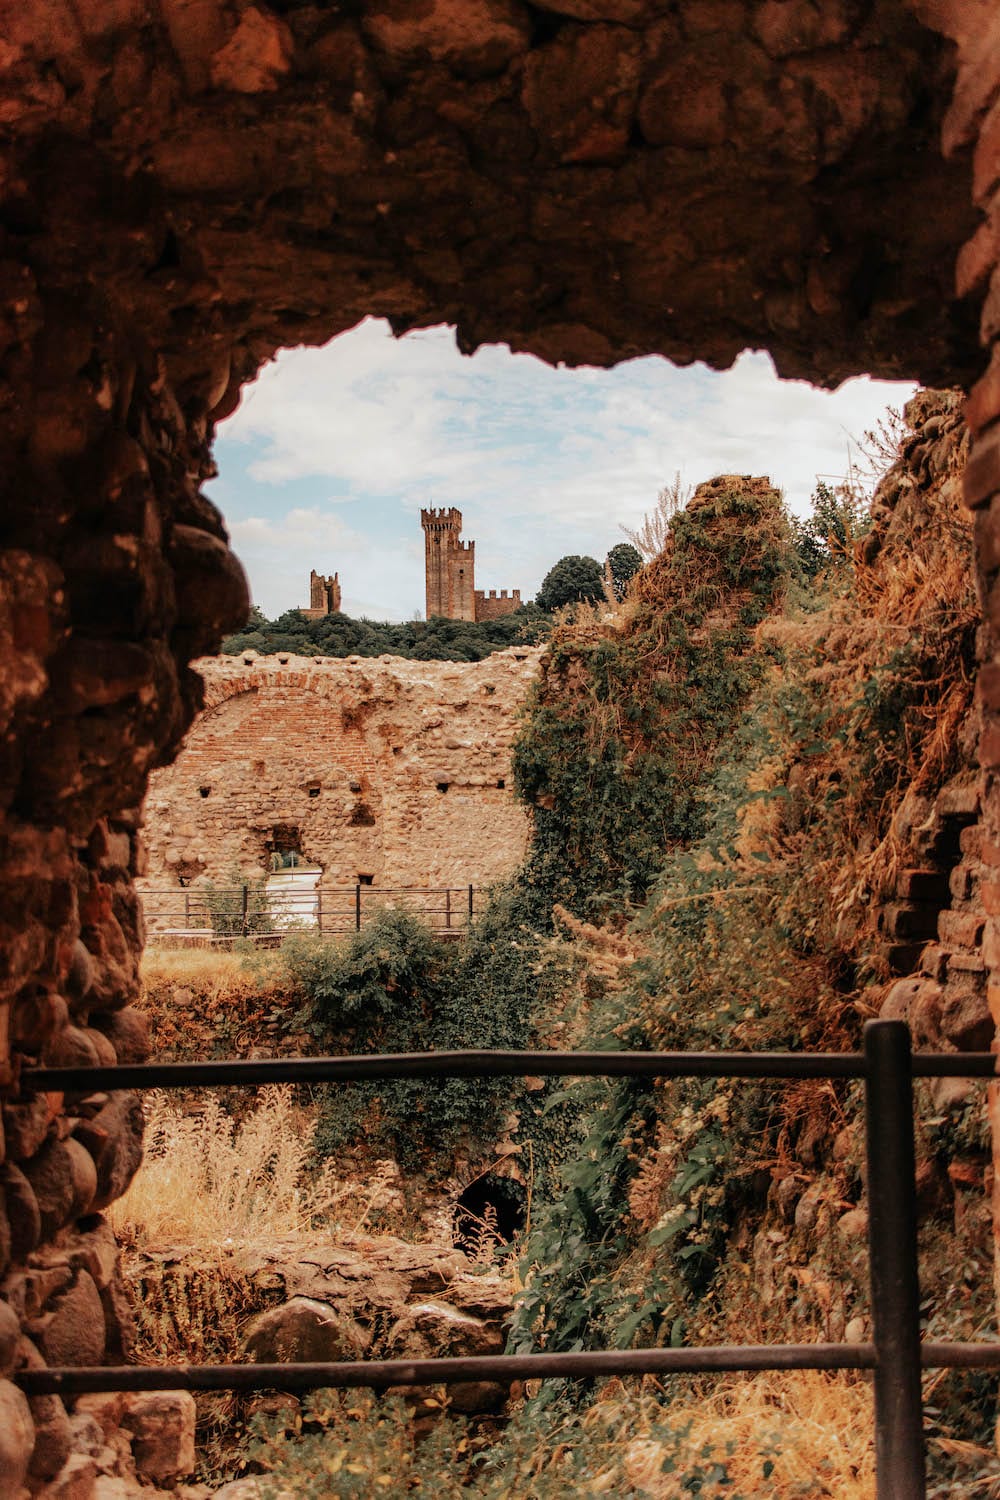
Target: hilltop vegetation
{"points": [[436, 639]]}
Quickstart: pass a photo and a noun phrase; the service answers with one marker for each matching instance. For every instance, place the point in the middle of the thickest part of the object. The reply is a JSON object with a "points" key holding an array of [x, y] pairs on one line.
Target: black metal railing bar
{"points": [[473, 1063], [895, 1354]]}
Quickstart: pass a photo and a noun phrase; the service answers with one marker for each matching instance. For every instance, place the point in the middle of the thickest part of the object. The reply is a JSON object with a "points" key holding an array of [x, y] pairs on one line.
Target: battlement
{"points": [[495, 604], [443, 518]]}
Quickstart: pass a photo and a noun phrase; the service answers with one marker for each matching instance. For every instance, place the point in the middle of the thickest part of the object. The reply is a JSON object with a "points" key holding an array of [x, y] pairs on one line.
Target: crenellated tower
{"points": [[449, 565]]}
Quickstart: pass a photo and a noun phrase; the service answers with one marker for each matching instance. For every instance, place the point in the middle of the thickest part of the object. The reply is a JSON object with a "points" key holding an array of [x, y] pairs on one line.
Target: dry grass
{"points": [[209, 1180], [212, 968], [774, 1435]]}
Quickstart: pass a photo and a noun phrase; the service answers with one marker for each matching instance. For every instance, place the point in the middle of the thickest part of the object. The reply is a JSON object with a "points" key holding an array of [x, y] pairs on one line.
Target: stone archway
{"points": [[188, 185]]}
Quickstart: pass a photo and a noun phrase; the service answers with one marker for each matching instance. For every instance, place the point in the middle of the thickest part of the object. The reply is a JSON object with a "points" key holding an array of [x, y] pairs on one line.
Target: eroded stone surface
{"points": [[400, 770]]}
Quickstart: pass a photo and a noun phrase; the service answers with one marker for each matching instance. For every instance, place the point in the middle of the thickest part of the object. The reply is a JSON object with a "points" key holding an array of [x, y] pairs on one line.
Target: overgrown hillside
{"points": [[778, 834]]}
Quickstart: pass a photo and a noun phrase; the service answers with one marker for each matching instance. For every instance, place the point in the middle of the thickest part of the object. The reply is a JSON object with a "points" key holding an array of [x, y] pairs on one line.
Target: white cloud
{"points": [[541, 461]]}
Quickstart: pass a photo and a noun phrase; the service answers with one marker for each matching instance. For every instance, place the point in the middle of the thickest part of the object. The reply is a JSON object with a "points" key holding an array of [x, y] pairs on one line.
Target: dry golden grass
{"points": [[208, 1180], [214, 968], [807, 1434]]}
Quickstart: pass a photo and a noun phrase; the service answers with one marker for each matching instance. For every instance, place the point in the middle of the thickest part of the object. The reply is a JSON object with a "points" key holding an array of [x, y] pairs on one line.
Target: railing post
{"points": [[357, 907], [319, 910], [246, 908], [470, 905], [187, 908], [892, 1249], [447, 909]]}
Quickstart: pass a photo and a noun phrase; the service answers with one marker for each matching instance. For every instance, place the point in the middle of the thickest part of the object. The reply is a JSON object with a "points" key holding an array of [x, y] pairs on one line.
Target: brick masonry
{"points": [[395, 770]]}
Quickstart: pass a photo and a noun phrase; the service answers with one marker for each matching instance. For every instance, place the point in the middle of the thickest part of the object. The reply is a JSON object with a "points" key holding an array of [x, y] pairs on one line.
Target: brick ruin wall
{"points": [[399, 770], [187, 186]]}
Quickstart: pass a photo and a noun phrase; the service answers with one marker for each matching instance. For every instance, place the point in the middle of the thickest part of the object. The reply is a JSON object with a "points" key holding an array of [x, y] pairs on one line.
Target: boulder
{"points": [[17, 1439], [304, 1331], [428, 1329], [162, 1425], [72, 1332]]}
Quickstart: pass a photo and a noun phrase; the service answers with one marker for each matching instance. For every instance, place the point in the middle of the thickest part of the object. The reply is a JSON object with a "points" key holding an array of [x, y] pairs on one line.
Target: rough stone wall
{"points": [[396, 769]]}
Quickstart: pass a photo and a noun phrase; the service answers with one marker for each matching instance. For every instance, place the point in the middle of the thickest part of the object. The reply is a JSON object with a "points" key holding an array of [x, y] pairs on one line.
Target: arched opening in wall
{"points": [[513, 463], [292, 884], [491, 1210]]}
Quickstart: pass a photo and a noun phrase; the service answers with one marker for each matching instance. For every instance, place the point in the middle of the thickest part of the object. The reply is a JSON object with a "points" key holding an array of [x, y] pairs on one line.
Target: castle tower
{"points": [[449, 565], [324, 596]]}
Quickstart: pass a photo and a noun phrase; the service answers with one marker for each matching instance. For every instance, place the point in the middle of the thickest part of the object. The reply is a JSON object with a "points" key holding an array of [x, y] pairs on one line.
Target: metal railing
{"points": [[895, 1354], [215, 915]]}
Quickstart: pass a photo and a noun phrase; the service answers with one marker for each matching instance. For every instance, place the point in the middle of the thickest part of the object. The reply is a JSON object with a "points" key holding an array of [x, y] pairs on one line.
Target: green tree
{"points": [[621, 565], [838, 517], [571, 580]]}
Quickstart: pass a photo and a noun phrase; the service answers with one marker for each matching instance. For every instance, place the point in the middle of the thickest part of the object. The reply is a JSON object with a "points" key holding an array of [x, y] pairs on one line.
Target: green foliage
{"points": [[356, 1445], [623, 725], [623, 563], [393, 987], [237, 906], [571, 580], [838, 518], [418, 640]]}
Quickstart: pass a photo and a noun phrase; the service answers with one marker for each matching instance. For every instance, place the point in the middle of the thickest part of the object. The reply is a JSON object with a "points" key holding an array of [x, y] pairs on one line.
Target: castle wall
{"points": [[393, 769], [493, 606]]}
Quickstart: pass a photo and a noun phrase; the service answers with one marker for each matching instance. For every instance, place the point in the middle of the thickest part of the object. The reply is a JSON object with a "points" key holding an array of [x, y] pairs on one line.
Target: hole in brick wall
{"points": [[501, 784], [443, 786], [366, 880], [284, 838], [314, 790], [489, 689], [203, 791], [492, 1205]]}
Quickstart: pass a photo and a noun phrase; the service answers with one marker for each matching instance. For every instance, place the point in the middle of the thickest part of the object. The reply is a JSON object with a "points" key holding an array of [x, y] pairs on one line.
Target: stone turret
{"points": [[450, 567], [324, 596], [449, 564]]}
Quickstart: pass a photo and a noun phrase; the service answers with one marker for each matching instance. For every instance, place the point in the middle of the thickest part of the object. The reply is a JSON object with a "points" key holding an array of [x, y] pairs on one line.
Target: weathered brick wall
{"points": [[397, 769]]}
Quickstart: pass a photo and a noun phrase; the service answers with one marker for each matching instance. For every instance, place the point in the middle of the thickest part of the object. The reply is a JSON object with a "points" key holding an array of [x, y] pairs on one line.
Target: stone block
{"points": [[908, 921], [162, 1424], [21, 1211], [982, 405], [72, 1332], [960, 929], [256, 57], [923, 885], [75, 1480], [900, 1000], [431, 1328], [304, 1329], [976, 262], [114, 1139], [63, 1179], [128, 1032], [965, 1019], [53, 1433], [26, 1124], [976, 88], [981, 480], [17, 1439], [986, 157]]}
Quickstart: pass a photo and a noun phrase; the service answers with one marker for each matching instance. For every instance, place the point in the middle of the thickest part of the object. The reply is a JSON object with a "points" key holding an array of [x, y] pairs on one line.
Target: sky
{"points": [[332, 453]]}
